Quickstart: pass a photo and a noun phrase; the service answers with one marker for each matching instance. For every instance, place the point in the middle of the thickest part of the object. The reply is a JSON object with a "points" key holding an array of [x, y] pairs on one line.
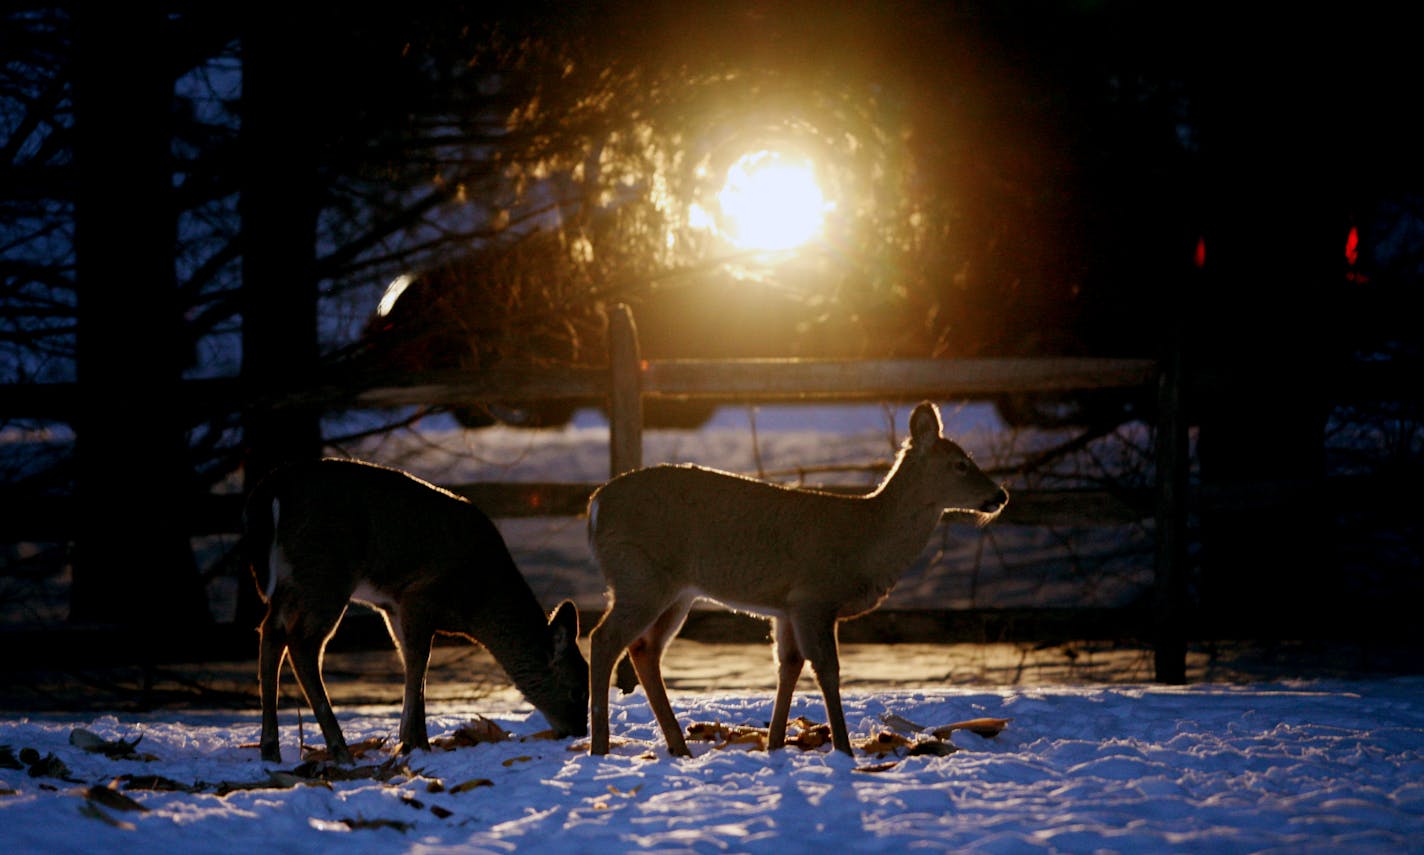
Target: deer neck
{"points": [[904, 513], [903, 491], [516, 633]]}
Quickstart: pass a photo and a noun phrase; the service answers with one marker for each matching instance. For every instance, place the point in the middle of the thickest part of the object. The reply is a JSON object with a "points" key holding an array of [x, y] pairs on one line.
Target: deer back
{"points": [[343, 524]]}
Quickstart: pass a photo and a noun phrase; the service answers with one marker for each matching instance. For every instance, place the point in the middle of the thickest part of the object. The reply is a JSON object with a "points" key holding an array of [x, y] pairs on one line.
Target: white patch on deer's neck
{"points": [[278, 568]]}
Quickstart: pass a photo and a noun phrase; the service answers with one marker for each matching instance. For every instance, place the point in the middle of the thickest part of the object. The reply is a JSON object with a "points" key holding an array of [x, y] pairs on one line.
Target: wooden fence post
{"points": [[625, 393], [1170, 643]]}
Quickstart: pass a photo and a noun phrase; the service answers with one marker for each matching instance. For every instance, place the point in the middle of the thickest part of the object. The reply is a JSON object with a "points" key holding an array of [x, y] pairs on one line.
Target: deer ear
{"points": [[925, 425], [564, 627]]}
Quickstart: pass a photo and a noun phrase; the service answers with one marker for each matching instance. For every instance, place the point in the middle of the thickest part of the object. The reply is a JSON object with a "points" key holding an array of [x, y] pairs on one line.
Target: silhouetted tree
{"points": [[132, 560]]}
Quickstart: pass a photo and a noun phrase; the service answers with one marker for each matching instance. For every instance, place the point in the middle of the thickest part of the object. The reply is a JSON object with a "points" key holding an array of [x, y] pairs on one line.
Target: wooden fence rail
{"points": [[629, 380]]}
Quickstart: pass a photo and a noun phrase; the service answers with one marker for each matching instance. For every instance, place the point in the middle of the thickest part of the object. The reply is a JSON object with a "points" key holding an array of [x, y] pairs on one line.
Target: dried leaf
{"points": [[90, 810], [287, 780], [727, 735], [932, 748], [617, 792], [313, 770], [877, 767], [313, 754], [274, 781], [613, 742], [899, 723], [441, 812], [523, 758], [884, 742], [365, 824], [811, 735], [86, 739], [472, 784], [542, 734], [704, 730], [114, 799], [752, 737], [118, 749], [985, 727], [475, 732], [154, 782], [48, 766]]}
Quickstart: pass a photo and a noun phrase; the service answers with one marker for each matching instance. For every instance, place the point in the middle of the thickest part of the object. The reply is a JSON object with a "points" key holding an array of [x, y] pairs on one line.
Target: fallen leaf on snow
{"points": [[985, 727], [479, 730], [154, 782], [359, 750], [884, 742], [117, 749], [90, 810], [889, 742], [113, 799], [48, 766], [802, 733], [900, 723], [932, 748], [810, 734], [472, 784], [274, 781], [613, 742]]}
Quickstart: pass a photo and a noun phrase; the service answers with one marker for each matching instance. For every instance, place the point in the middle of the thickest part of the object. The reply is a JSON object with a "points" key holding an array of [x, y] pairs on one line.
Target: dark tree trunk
{"points": [[133, 562], [279, 206], [1274, 244]]}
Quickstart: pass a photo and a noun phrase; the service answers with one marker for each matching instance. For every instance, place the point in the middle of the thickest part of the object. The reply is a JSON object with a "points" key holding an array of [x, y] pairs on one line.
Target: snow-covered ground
{"points": [[1282, 767]]}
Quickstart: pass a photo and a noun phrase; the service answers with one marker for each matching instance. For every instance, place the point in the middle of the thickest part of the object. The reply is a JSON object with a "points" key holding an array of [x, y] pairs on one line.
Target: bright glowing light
{"points": [[771, 202], [393, 292]]}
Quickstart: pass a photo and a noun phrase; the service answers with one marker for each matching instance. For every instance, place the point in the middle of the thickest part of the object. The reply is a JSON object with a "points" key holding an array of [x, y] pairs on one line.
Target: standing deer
{"points": [[325, 532], [667, 535]]}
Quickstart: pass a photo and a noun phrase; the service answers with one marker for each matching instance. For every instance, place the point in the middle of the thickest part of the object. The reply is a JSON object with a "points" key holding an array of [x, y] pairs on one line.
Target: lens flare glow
{"points": [[771, 202], [393, 293]]}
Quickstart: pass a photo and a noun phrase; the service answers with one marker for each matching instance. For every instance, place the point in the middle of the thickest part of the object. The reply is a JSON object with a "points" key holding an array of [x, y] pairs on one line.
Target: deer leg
{"points": [[788, 671], [306, 644], [623, 622], [416, 640], [646, 653], [272, 648], [816, 636], [606, 644]]}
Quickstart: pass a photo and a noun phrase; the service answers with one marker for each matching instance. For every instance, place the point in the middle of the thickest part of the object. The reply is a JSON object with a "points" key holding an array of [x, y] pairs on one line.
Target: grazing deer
{"points": [[667, 535], [326, 532]]}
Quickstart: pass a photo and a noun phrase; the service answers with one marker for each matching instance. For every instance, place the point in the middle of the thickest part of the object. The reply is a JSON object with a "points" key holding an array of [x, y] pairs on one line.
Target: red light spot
{"points": [[1199, 255], [1352, 255]]}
